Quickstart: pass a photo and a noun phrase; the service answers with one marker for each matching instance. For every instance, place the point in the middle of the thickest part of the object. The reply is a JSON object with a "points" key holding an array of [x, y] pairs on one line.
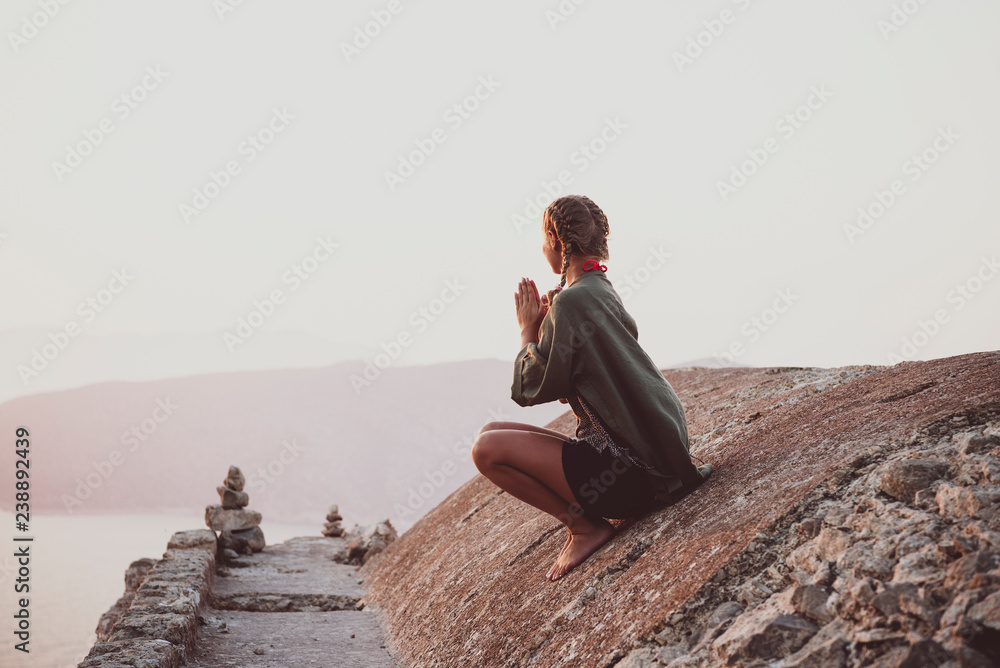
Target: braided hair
{"points": [[582, 229]]}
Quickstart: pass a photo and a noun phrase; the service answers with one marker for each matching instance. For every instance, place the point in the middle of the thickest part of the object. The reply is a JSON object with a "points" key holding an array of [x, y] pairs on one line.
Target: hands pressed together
{"points": [[531, 309]]}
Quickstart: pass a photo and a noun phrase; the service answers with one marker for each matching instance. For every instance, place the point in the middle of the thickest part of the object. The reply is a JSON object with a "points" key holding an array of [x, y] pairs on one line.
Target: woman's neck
{"points": [[575, 268]]}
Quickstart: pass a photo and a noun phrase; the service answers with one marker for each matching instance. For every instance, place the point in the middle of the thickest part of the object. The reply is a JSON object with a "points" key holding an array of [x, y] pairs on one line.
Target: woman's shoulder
{"points": [[594, 292]]}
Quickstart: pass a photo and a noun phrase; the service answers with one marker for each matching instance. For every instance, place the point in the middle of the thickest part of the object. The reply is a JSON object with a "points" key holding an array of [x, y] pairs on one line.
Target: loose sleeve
{"points": [[543, 371]]}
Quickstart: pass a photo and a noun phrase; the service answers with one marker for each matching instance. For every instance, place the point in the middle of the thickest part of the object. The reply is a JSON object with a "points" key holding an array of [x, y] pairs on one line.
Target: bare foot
{"points": [[569, 538], [581, 544]]}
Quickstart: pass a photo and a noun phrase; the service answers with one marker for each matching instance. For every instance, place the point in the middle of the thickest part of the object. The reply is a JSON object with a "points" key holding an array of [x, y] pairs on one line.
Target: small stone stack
{"points": [[332, 528], [238, 527]]}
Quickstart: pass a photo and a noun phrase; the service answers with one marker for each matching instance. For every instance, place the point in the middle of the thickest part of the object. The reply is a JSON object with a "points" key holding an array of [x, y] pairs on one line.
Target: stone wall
{"points": [[157, 628]]}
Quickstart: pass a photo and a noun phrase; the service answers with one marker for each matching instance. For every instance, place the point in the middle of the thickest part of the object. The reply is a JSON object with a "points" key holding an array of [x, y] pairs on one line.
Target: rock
{"points": [[717, 622], [670, 653], [961, 571], [365, 543], [245, 541], [769, 631], [987, 613], [235, 480], [983, 535], [643, 657], [827, 649], [915, 605], [224, 519], [766, 639], [956, 501], [887, 600], [230, 554], [969, 632], [919, 567], [903, 478], [858, 561], [254, 538], [132, 652], [855, 597], [810, 601], [809, 527], [966, 657], [969, 444], [978, 470], [232, 498], [924, 653], [911, 544], [332, 528], [825, 574], [191, 540], [135, 575], [960, 605], [826, 546], [723, 613]]}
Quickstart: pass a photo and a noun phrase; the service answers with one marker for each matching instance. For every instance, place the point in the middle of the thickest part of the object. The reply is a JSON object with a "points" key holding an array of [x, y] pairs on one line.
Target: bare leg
{"points": [[528, 465], [501, 424], [491, 426]]}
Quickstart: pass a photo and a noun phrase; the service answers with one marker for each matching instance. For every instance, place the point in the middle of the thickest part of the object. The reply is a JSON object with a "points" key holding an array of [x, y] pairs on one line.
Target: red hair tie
{"points": [[597, 265]]}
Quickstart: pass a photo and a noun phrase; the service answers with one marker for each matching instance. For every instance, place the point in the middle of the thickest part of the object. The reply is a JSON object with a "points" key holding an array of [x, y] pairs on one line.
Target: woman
{"points": [[579, 345]]}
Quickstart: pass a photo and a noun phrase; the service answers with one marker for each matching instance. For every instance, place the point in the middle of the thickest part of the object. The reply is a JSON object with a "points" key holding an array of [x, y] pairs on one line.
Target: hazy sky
{"points": [[731, 145]]}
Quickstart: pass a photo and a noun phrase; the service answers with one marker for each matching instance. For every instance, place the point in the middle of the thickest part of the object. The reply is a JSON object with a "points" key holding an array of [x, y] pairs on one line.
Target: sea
{"points": [[76, 571]]}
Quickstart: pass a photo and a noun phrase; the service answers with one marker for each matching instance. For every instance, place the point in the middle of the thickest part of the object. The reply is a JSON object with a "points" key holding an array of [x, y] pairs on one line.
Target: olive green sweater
{"points": [[589, 345]]}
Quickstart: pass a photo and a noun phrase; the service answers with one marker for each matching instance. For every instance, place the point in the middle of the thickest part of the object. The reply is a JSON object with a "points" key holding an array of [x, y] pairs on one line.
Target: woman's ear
{"points": [[553, 241]]}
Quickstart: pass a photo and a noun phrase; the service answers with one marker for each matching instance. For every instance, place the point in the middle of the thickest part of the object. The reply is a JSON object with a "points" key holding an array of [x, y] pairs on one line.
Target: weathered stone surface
{"points": [[135, 575], [272, 611], [643, 657], [987, 612], [218, 518], [777, 438], [810, 602], [977, 442], [138, 653], [167, 604], [924, 653], [961, 571], [195, 539], [348, 638], [957, 501], [767, 638], [231, 498], [363, 543], [827, 649], [858, 561], [246, 541], [235, 479], [903, 478]]}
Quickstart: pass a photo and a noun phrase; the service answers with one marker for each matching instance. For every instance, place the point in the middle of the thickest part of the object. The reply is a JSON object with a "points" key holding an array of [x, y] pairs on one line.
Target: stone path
{"points": [[290, 605]]}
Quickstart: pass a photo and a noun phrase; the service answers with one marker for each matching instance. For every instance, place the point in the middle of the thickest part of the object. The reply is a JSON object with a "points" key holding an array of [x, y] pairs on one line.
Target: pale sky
{"points": [[841, 104]]}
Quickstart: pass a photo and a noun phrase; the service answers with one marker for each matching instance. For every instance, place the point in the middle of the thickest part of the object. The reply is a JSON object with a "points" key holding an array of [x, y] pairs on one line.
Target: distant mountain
{"points": [[391, 446]]}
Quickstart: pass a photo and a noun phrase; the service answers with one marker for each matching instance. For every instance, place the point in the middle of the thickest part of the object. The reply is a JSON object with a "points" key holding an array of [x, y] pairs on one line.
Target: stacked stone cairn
{"points": [[332, 528], [239, 528]]}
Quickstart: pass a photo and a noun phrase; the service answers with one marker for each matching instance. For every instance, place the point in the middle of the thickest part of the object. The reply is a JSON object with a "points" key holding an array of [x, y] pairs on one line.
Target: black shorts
{"points": [[605, 485]]}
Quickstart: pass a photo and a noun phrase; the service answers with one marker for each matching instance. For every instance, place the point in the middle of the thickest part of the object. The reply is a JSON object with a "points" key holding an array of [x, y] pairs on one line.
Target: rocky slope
{"points": [[851, 520]]}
